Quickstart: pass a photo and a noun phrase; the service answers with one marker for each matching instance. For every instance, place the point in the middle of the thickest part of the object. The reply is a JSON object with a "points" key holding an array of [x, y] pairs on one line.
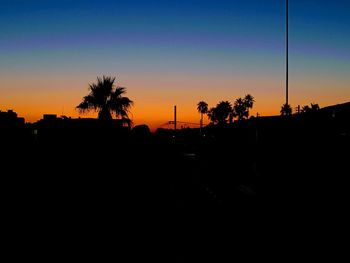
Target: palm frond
{"points": [[202, 107], [105, 99], [87, 104], [119, 91]]}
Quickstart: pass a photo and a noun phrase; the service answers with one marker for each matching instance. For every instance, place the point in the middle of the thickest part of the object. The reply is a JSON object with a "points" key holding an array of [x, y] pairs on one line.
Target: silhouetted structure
{"points": [[49, 117], [287, 53], [10, 119], [12, 130]]}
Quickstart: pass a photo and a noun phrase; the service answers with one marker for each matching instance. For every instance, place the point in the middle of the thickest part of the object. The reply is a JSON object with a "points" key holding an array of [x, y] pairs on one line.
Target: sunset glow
{"points": [[170, 53]]}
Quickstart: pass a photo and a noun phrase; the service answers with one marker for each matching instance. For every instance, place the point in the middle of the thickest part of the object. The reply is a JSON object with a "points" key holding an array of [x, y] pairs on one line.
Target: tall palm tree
{"points": [[249, 102], [286, 110], [107, 99], [240, 109], [202, 108]]}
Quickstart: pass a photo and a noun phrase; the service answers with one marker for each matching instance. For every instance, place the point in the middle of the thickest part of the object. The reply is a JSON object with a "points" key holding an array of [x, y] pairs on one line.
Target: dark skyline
{"points": [[173, 52]]}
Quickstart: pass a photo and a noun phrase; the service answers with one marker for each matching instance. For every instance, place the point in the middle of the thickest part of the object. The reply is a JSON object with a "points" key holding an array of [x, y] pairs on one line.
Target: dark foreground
{"points": [[261, 186]]}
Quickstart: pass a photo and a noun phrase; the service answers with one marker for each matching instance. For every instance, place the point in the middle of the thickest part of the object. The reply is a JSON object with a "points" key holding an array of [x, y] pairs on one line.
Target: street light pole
{"points": [[287, 51], [175, 117]]}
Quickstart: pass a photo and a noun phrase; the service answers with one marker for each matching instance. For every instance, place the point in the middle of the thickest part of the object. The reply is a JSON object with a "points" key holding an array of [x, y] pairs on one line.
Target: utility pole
{"points": [[287, 50], [175, 117]]}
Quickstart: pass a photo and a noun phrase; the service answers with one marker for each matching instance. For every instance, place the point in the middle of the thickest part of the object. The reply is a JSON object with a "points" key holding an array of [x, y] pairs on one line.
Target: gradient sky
{"points": [[172, 52]]}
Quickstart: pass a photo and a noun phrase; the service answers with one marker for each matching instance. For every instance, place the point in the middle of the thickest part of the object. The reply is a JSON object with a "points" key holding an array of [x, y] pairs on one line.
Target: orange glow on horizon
{"points": [[155, 96]]}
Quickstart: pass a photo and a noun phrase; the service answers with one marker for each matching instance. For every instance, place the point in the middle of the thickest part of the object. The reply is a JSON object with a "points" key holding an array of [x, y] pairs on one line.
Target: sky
{"points": [[172, 52]]}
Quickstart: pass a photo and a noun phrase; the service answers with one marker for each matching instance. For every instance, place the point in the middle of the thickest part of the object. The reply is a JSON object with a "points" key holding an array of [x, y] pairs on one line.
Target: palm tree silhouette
{"points": [[249, 102], [286, 110], [305, 109], [202, 108], [222, 111], [107, 99], [212, 115], [240, 109]]}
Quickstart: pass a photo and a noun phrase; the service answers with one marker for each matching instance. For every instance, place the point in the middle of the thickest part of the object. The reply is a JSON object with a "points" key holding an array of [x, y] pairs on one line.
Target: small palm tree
{"points": [[286, 110], [202, 108], [107, 99], [305, 109]]}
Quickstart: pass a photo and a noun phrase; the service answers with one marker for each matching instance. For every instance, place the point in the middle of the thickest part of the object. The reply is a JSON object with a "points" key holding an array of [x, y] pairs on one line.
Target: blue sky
{"points": [[177, 40], [188, 29]]}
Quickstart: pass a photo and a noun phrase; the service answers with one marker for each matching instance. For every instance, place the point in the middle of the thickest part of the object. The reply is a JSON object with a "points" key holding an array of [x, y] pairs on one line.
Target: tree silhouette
{"points": [[249, 102], [212, 115], [307, 109], [220, 113], [202, 108], [241, 107], [286, 110], [223, 110], [107, 99], [231, 115]]}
